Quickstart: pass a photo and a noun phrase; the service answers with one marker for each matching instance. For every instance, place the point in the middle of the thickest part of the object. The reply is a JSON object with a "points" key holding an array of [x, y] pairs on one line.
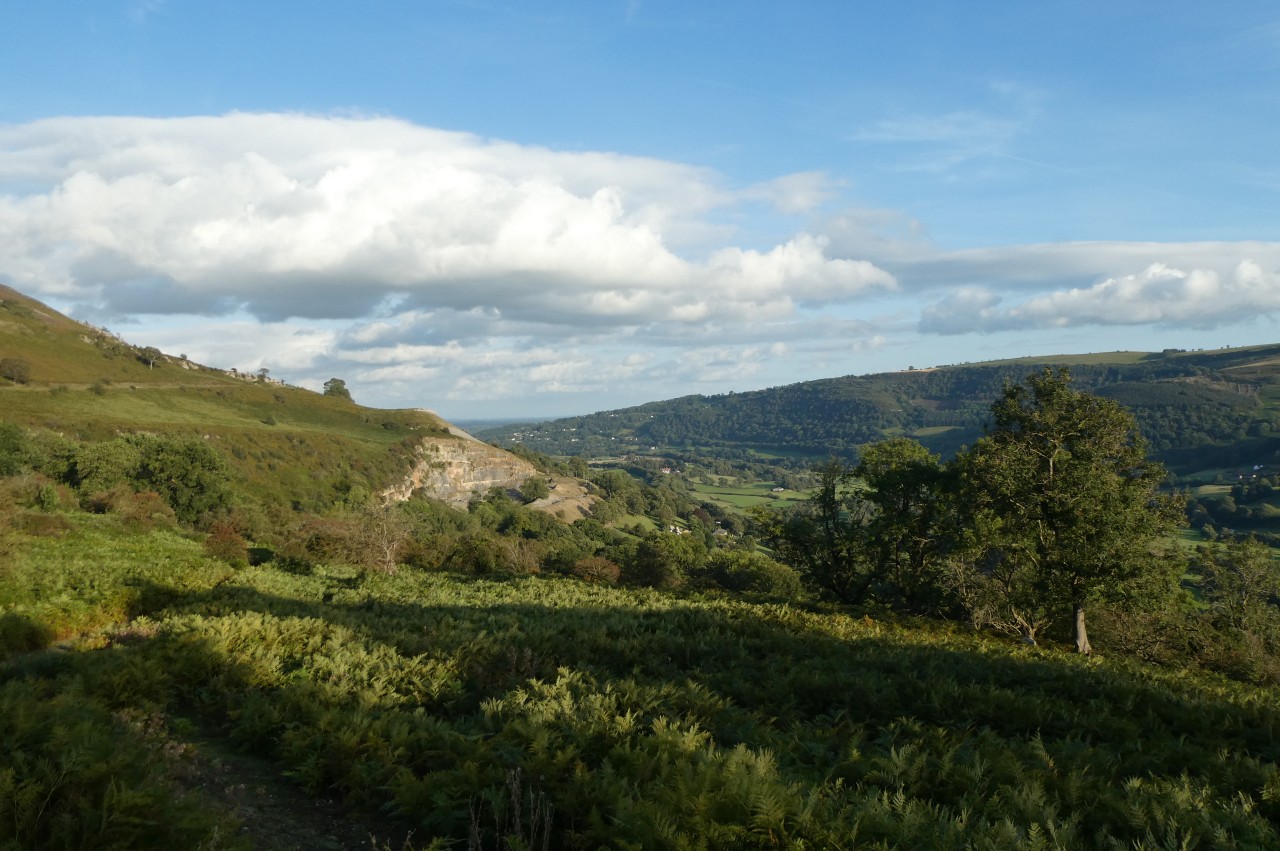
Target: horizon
{"points": [[479, 208]]}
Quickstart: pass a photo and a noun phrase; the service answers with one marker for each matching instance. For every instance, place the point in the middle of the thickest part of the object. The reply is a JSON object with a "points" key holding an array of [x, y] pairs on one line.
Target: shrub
{"points": [[225, 543], [13, 449], [144, 511], [42, 525], [17, 370], [596, 569], [736, 570]]}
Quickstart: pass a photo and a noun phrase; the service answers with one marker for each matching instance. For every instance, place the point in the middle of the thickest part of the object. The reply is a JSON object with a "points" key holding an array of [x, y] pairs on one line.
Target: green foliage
{"points": [[104, 466], [749, 572], [825, 539], [535, 488], [665, 560], [75, 775], [338, 388], [191, 476], [13, 449], [1060, 507], [907, 532], [459, 705]]}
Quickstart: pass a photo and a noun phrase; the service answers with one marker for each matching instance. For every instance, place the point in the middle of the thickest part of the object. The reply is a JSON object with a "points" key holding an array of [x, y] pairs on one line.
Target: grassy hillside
{"points": [[286, 444], [530, 713], [1197, 410]]}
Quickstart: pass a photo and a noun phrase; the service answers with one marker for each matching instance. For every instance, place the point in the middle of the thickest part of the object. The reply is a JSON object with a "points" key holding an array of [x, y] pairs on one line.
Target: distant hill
{"points": [[1198, 409], [287, 445]]}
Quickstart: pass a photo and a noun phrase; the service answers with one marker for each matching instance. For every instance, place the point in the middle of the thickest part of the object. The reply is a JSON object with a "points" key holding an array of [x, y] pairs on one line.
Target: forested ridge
{"points": [[1183, 401]]}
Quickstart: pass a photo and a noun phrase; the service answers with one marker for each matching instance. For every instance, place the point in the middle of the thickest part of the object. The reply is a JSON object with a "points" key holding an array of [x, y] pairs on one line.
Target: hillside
{"points": [[263, 708], [1201, 412], [286, 445]]}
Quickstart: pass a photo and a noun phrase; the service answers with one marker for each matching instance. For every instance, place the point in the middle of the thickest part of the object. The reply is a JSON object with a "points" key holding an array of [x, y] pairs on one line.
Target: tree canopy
{"points": [[337, 387], [1056, 507], [1061, 503]]}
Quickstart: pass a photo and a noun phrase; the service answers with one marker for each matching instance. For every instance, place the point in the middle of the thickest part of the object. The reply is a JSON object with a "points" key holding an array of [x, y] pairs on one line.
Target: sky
{"points": [[534, 209]]}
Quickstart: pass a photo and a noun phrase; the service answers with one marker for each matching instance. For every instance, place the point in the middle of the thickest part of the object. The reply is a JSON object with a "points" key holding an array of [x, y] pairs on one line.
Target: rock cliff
{"points": [[452, 468]]}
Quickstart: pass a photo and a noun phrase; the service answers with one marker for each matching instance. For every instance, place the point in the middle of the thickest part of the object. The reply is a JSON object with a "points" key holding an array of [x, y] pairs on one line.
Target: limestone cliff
{"points": [[452, 468]]}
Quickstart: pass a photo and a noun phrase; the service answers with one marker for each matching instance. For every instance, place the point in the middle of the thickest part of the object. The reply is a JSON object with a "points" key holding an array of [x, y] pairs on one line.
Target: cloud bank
{"points": [[299, 216], [1194, 287]]}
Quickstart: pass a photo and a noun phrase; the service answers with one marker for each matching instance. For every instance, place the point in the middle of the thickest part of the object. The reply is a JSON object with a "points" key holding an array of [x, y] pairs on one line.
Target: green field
{"points": [[744, 496]]}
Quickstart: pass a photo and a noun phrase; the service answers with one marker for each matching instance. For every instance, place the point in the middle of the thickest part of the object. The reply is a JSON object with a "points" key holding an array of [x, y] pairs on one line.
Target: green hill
{"points": [[286, 445], [1201, 412]]}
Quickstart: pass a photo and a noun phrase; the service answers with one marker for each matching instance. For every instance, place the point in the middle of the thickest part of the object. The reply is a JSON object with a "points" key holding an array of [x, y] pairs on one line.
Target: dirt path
{"points": [[273, 812]]}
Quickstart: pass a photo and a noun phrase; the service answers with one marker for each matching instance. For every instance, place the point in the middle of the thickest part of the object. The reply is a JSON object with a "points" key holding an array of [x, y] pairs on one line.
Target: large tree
{"points": [[1062, 506]]}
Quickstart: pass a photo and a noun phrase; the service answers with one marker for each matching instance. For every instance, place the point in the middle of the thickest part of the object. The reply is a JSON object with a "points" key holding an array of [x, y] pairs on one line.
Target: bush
{"points": [[225, 543], [17, 370], [13, 449], [596, 569], [144, 511], [736, 570], [42, 525]]}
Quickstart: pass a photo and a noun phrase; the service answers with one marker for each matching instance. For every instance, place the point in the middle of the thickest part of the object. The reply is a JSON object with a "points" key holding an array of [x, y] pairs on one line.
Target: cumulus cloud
{"points": [[321, 217], [1157, 295]]}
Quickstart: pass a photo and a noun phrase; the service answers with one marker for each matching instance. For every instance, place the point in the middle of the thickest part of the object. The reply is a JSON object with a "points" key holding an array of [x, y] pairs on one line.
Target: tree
{"points": [[904, 534], [1242, 582], [665, 560], [337, 387], [384, 531], [149, 356], [534, 488], [825, 539], [189, 473], [13, 449], [1062, 506], [191, 476]]}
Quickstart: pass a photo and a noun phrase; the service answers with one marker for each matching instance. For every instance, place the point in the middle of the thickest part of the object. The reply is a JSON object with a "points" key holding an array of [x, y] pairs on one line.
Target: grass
{"points": [[285, 444], [744, 496]]}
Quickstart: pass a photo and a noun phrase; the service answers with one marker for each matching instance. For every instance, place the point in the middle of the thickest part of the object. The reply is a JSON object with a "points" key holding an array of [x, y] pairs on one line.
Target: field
{"points": [[747, 495], [527, 712]]}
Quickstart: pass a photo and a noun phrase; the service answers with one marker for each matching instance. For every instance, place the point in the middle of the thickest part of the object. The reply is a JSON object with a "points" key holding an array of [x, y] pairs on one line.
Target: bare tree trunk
{"points": [[1082, 634]]}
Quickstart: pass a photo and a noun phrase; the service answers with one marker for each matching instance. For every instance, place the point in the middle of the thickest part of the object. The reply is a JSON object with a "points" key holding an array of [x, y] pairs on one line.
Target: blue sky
{"points": [[500, 209]]}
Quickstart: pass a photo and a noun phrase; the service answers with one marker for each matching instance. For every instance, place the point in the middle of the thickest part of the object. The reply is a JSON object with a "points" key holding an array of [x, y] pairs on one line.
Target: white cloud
{"points": [[301, 216], [794, 193], [1159, 294], [430, 268]]}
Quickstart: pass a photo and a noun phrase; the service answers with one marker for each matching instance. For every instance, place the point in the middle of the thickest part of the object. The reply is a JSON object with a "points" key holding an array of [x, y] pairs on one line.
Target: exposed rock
{"points": [[452, 468]]}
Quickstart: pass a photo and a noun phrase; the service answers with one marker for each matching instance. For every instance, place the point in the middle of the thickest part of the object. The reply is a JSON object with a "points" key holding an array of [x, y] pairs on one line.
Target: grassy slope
{"points": [[284, 442], [621, 718]]}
